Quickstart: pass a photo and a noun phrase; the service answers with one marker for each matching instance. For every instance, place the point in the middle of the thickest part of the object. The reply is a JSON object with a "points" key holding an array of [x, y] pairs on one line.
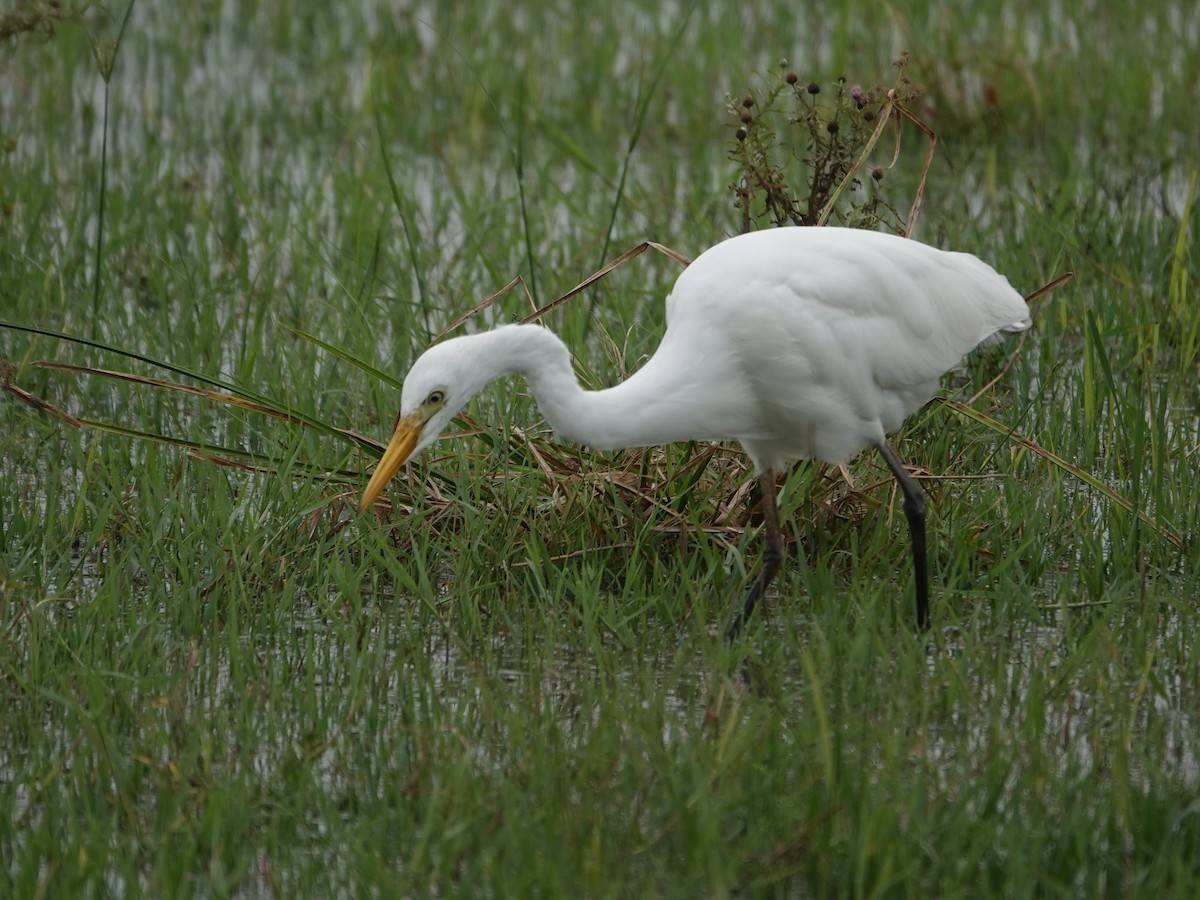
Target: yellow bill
{"points": [[399, 449]]}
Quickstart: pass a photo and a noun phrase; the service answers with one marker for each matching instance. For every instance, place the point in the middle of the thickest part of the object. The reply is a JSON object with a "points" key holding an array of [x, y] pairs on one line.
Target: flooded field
{"points": [[510, 678]]}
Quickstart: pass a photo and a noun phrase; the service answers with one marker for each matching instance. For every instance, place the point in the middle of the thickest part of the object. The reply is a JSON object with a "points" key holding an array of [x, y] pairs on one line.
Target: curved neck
{"points": [[647, 409]]}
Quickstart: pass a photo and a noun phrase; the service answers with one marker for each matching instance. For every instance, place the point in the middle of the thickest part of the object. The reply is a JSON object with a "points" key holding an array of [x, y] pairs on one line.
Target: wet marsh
{"points": [[512, 682]]}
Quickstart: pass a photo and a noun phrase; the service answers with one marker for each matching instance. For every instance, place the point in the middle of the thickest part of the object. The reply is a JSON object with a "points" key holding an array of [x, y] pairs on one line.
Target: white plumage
{"points": [[795, 342]]}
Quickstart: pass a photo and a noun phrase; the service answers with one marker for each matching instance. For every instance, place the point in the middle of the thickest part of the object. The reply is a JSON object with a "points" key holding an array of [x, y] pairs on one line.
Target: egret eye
{"points": [[435, 398]]}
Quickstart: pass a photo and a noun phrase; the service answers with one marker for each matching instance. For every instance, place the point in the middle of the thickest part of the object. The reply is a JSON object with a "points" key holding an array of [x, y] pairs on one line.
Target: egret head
{"points": [[438, 385]]}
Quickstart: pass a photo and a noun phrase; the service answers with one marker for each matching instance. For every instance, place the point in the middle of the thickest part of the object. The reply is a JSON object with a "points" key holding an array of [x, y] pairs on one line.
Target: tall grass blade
{"points": [[1057, 461]]}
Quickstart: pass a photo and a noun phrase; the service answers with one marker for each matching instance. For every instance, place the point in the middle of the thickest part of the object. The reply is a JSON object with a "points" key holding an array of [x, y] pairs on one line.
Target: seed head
{"points": [[740, 134], [791, 78], [877, 173], [747, 117], [832, 127], [747, 101], [814, 88]]}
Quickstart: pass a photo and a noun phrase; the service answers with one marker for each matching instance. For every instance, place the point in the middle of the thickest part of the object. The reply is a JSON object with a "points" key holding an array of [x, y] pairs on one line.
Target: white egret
{"points": [[795, 342]]}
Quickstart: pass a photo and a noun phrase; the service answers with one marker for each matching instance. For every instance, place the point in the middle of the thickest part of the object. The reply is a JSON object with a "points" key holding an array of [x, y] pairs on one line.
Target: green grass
{"points": [[216, 681]]}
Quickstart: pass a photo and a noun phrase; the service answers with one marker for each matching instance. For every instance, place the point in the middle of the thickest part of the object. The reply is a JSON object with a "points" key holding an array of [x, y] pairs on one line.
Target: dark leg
{"points": [[914, 511], [772, 554]]}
